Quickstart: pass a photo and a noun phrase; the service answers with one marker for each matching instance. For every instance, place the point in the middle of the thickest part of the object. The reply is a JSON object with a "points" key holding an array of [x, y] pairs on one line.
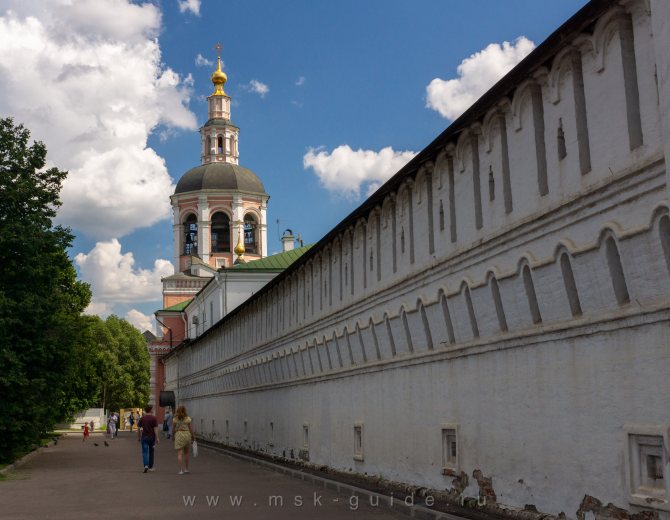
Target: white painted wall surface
{"points": [[225, 292], [542, 408]]}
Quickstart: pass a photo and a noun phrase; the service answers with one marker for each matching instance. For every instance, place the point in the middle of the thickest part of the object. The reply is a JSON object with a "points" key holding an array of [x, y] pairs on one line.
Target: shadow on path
{"points": [[74, 480]]}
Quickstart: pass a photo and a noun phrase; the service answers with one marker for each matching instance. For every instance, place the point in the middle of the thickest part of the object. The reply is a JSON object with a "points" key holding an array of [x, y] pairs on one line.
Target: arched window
{"points": [[219, 145], [408, 334], [447, 318], [441, 217], [664, 232], [220, 233], [497, 300], [426, 327], [616, 271], [530, 293], [389, 333], [250, 234], [471, 310], [209, 145], [570, 285], [191, 235]]}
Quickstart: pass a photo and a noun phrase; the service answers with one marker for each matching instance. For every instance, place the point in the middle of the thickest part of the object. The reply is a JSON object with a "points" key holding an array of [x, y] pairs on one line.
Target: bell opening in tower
{"points": [[220, 233], [191, 235], [250, 234]]}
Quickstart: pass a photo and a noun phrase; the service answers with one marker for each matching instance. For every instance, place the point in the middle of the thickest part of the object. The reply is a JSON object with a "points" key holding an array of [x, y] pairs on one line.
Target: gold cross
{"points": [[218, 48]]}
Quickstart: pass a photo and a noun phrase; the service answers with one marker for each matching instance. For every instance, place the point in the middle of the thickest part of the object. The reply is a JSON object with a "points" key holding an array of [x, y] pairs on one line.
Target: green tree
{"points": [[83, 384], [43, 335], [122, 365]]}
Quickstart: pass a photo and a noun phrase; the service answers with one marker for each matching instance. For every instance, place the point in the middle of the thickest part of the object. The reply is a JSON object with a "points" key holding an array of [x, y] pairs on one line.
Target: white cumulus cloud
{"points": [[258, 87], [93, 88], [301, 81], [114, 278], [192, 6], [98, 308], [140, 320], [476, 75], [345, 171], [201, 61]]}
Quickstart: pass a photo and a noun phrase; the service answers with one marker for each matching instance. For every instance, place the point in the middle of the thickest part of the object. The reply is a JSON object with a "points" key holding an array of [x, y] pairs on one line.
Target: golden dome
{"points": [[219, 79], [239, 248]]}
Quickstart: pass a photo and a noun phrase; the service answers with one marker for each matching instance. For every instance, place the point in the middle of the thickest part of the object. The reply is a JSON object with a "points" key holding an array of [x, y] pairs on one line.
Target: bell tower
{"points": [[219, 207], [219, 136]]}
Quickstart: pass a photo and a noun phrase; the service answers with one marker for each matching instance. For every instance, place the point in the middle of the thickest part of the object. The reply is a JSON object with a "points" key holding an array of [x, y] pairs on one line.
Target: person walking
{"points": [[85, 432], [168, 424], [146, 435], [183, 437], [111, 426], [131, 420]]}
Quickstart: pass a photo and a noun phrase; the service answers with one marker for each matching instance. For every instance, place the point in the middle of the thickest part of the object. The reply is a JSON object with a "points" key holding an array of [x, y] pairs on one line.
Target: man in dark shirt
{"points": [[146, 434]]}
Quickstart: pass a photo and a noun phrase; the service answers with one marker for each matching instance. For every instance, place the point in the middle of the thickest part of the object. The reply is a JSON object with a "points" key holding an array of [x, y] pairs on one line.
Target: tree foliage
{"points": [[122, 366], [54, 361], [41, 300]]}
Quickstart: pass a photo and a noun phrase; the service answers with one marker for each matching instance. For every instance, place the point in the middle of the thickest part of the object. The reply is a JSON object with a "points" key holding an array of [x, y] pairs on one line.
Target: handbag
{"points": [[194, 449]]}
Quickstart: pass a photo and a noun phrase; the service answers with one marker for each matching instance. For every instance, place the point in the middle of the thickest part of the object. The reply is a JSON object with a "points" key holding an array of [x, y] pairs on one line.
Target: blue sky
{"points": [[337, 74]]}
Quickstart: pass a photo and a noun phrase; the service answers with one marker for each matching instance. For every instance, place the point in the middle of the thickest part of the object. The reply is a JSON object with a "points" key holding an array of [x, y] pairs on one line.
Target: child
{"points": [[85, 432]]}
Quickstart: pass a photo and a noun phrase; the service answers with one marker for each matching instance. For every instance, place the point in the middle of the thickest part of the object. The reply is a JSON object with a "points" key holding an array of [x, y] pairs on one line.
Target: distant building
{"points": [[231, 287]]}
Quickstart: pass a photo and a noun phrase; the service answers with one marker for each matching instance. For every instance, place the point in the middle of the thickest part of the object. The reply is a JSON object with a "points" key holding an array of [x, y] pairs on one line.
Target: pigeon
{"points": [[106, 443], [95, 444]]}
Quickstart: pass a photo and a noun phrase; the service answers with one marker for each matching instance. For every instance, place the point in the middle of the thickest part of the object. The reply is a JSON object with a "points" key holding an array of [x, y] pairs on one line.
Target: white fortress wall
{"points": [[510, 284]]}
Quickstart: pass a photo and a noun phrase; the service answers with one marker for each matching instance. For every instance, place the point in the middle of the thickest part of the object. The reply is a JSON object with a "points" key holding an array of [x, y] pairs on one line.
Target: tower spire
{"points": [[219, 77], [219, 136]]}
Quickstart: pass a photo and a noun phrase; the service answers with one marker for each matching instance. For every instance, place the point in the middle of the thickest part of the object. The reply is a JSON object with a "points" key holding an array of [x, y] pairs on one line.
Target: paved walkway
{"points": [[76, 480]]}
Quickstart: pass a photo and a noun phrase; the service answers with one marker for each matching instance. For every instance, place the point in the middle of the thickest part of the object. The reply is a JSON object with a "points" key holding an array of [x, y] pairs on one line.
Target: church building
{"points": [[219, 207], [219, 221]]}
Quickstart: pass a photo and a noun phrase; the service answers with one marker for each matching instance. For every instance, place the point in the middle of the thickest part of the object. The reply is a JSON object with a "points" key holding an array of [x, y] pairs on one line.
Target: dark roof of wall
{"points": [[541, 55], [220, 176]]}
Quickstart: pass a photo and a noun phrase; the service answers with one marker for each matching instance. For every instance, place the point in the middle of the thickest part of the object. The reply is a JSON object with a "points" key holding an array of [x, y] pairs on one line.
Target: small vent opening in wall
{"points": [[654, 468], [449, 450], [358, 441], [305, 436], [646, 461]]}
